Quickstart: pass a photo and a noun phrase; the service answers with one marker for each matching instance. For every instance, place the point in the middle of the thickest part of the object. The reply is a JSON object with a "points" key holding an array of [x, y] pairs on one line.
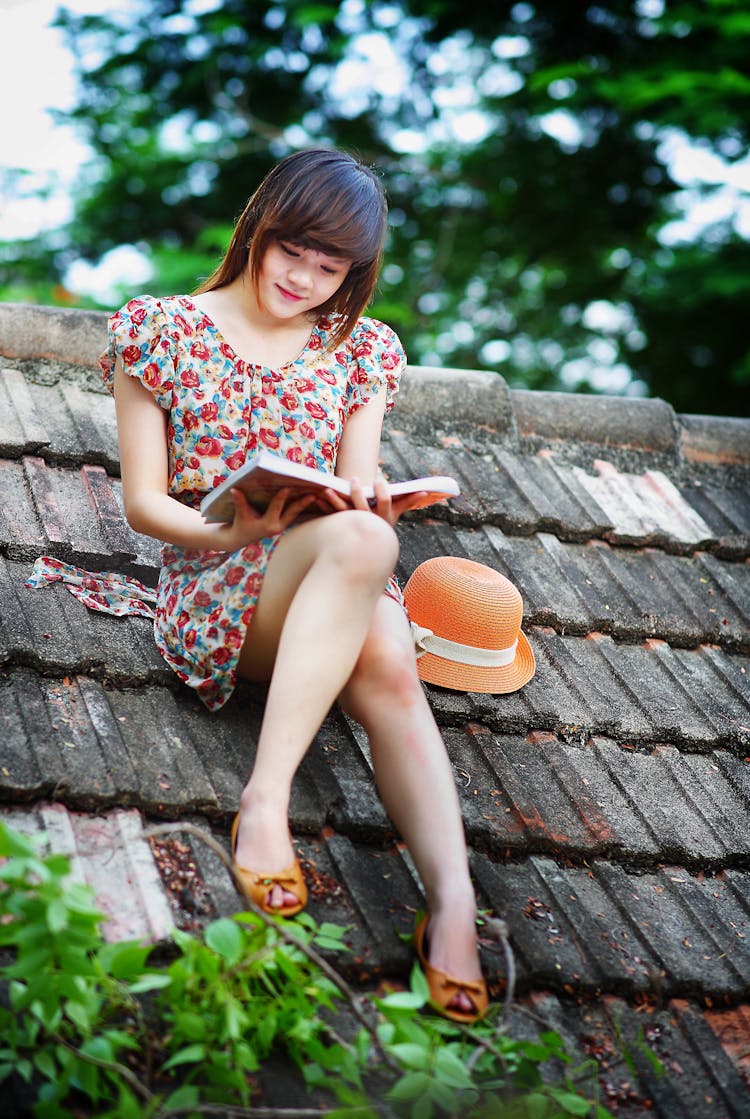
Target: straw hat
{"points": [[466, 620]]}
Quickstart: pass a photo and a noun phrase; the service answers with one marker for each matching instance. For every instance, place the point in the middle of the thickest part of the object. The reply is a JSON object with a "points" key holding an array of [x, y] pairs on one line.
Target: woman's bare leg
{"points": [[321, 586], [416, 782]]}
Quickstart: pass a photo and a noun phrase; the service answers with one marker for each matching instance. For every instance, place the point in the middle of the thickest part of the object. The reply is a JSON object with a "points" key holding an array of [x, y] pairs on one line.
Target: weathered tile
{"points": [[109, 854]]}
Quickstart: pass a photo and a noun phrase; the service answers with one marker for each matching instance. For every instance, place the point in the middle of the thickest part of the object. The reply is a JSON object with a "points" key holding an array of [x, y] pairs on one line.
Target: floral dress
{"points": [[222, 408]]}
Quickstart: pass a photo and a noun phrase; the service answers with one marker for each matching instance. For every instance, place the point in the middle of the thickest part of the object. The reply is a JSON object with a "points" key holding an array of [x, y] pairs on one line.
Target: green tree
{"points": [[523, 148]]}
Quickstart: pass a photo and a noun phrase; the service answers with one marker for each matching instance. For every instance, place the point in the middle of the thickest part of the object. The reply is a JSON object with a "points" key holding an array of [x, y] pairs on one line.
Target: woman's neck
{"points": [[253, 334]]}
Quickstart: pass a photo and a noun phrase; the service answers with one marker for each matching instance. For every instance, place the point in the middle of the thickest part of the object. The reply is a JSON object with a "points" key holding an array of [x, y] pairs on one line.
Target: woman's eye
{"points": [[289, 250]]}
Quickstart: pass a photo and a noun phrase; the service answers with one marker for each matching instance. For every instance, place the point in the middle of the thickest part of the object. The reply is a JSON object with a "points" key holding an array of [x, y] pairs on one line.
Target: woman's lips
{"points": [[288, 294]]}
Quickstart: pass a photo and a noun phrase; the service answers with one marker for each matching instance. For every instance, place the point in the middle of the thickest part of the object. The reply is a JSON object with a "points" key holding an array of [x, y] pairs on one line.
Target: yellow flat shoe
{"points": [[444, 988], [256, 886]]}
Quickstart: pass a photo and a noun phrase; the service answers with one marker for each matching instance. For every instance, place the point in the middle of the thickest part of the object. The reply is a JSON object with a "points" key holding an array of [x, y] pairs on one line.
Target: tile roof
{"points": [[605, 803]]}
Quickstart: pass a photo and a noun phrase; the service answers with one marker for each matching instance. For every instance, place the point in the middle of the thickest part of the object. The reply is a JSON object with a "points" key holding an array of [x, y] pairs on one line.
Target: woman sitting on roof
{"points": [[272, 352]]}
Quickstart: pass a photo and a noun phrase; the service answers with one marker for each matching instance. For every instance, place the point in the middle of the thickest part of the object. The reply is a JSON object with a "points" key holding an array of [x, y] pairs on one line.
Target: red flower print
{"points": [[199, 350], [258, 402], [235, 461], [194, 463], [208, 448], [131, 354], [182, 619], [183, 324], [294, 454], [138, 312], [289, 423], [234, 638], [289, 400], [253, 583], [314, 342], [221, 656], [189, 420], [306, 430], [326, 375], [209, 411], [226, 351], [189, 637], [189, 379], [216, 612], [328, 451], [252, 441], [315, 410], [266, 384], [303, 384], [389, 359], [364, 349], [151, 375], [269, 438], [234, 576], [200, 598], [310, 461], [225, 432]]}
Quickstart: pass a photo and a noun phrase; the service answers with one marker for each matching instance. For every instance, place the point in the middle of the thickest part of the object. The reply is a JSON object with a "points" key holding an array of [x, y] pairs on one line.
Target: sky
{"points": [[37, 62]]}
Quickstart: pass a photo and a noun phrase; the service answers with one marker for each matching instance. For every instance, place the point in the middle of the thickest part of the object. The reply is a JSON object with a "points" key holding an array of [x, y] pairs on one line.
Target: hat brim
{"points": [[469, 678]]}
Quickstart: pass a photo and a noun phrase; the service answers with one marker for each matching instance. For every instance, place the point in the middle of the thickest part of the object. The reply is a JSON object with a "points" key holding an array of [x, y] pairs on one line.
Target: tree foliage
{"points": [[524, 148]]}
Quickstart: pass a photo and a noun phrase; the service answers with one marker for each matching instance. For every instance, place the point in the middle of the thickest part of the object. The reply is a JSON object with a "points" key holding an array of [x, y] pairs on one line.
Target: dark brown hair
{"points": [[324, 200]]}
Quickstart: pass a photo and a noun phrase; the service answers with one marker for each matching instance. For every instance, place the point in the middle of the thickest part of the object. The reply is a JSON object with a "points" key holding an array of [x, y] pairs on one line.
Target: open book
{"points": [[265, 473]]}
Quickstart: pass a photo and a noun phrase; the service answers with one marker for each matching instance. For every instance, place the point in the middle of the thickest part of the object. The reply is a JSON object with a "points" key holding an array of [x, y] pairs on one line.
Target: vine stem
{"points": [[110, 1066], [497, 930]]}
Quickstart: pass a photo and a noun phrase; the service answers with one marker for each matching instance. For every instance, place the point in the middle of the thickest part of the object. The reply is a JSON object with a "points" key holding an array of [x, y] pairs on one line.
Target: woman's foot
{"points": [[267, 868], [448, 952]]}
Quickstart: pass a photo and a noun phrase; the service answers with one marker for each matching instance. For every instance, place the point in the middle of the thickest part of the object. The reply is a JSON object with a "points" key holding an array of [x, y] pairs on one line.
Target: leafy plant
{"points": [[98, 1028]]}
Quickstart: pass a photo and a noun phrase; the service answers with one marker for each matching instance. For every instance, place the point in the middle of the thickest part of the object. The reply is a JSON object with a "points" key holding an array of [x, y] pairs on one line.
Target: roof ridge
{"points": [[485, 406]]}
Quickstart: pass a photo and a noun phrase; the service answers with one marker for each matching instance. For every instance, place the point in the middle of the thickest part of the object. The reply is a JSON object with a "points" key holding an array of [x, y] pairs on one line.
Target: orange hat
{"points": [[466, 620]]}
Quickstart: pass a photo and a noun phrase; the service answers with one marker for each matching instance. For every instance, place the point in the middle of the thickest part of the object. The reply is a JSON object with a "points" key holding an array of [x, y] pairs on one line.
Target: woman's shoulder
{"points": [[157, 310], [368, 336], [375, 341]]}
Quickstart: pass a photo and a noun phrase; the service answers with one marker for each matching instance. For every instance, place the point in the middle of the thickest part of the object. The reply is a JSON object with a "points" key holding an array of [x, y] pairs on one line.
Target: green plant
{"points": [[97, 1028]]}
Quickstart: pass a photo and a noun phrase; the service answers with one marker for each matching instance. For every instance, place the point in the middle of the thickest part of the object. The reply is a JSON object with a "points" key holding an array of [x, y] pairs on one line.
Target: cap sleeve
{"points": [[139, 335], [377, 361]]}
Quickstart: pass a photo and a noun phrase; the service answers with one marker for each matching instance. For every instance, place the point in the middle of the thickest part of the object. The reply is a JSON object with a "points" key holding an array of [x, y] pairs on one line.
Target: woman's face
{"points": [[294, 280]]}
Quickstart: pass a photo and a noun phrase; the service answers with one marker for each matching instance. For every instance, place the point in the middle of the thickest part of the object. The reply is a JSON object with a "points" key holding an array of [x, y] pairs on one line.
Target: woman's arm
{"points": [[359, 446], [144, 463], [357, 461]]}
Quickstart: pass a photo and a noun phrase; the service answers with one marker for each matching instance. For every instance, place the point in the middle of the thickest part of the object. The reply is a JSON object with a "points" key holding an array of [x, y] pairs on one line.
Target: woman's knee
{"points": [[386, 666], [359, 541]]}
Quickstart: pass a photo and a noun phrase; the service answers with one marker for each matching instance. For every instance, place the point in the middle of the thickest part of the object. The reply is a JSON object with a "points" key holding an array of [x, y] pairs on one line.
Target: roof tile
{"points": [[106, 853]]}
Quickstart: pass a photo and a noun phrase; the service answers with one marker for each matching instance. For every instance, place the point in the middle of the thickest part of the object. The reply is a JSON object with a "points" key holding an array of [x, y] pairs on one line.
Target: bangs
{"points": [[359, 242], [340, 211]]}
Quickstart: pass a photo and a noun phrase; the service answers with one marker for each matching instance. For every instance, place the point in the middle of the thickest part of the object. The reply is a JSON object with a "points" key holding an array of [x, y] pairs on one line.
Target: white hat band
{"points": [[426, 641]]}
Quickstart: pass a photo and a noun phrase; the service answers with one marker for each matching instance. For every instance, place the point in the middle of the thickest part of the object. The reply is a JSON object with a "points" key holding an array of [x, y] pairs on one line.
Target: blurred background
{"points": [[569, 183]]}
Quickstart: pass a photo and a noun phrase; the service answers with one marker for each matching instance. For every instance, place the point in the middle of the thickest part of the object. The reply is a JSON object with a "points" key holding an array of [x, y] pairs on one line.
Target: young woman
{"points": [[272, 352]]}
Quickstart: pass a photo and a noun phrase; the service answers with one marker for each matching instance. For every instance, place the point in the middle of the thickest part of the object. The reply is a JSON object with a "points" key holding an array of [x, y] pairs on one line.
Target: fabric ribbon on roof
{"points": [[109, 592]]}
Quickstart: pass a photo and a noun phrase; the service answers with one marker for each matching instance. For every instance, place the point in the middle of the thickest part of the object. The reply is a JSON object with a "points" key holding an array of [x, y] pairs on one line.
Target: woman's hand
{"points": [[384, 505], [248, 525]]}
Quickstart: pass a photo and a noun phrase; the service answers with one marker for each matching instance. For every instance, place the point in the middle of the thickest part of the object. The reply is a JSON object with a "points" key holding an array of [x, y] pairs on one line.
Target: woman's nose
{"points": [[299, 274]]}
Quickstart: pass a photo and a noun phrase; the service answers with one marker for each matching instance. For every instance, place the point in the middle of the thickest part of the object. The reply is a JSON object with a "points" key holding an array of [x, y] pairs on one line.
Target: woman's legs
{"points": [[321, 586], [416, 782]]}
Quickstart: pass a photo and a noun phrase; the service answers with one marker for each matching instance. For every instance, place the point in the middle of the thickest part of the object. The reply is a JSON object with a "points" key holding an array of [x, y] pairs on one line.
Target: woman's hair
{"points": [[324, 200]]}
